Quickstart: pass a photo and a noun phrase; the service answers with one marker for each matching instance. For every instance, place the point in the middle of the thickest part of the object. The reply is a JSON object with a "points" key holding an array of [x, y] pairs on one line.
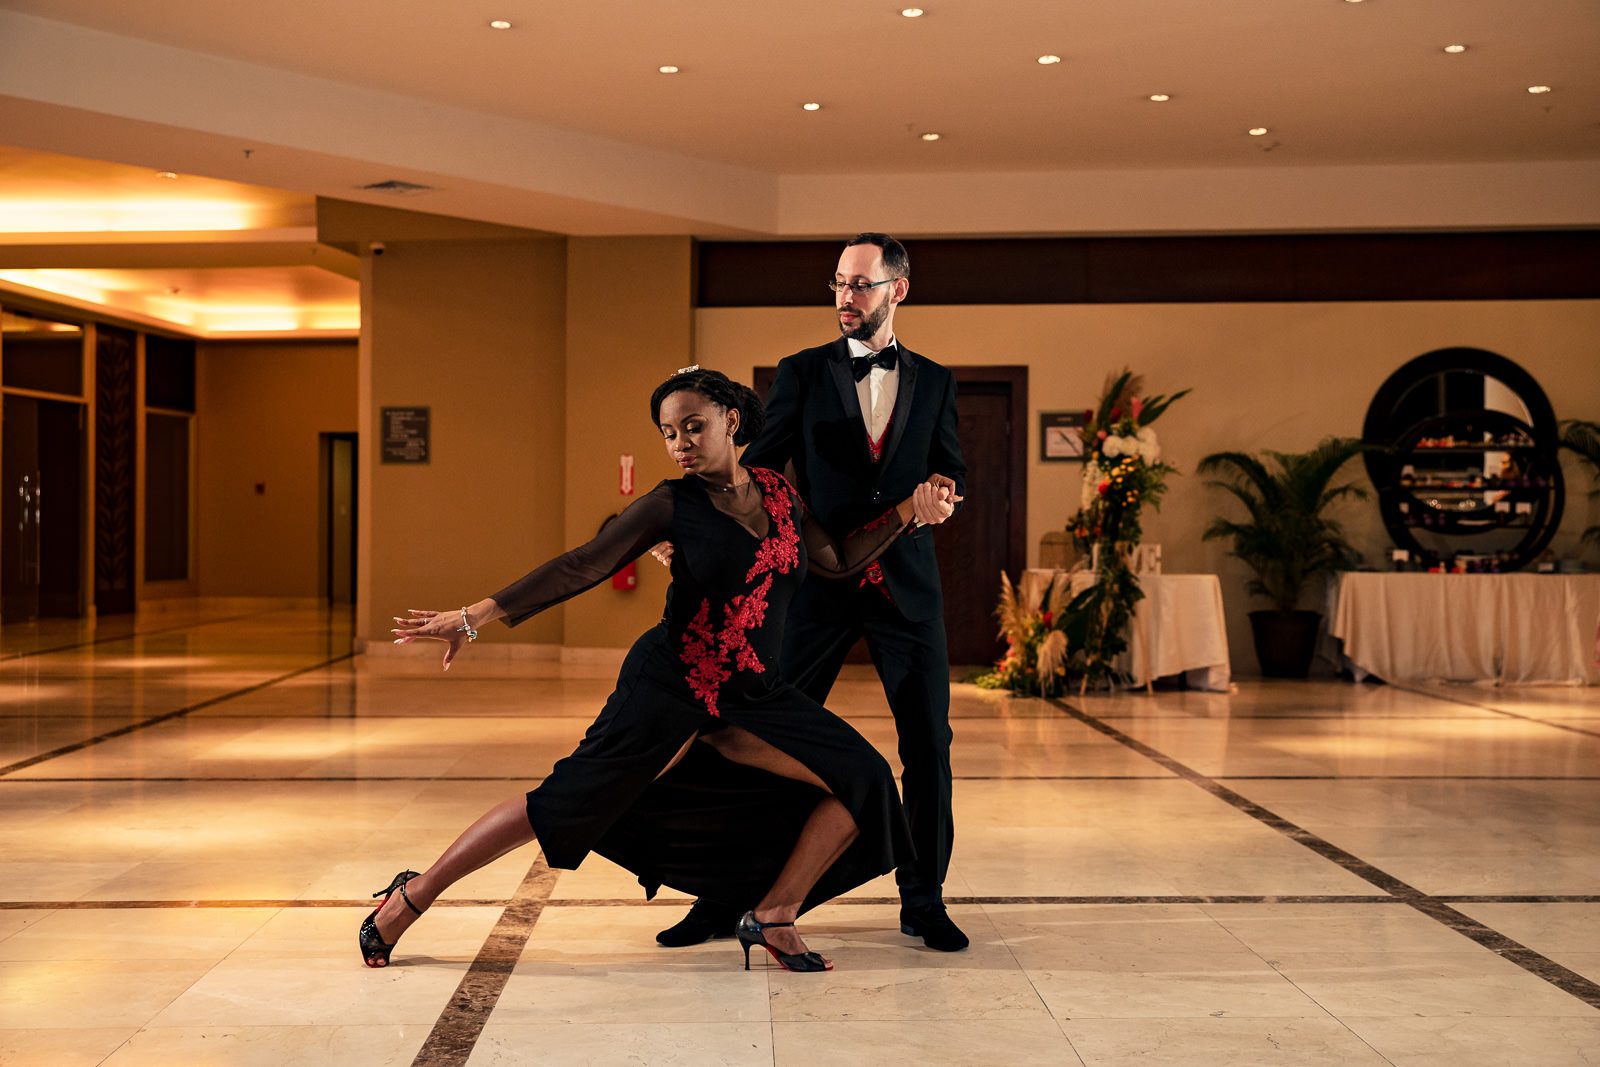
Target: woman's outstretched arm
{"points": [[620, 542]]}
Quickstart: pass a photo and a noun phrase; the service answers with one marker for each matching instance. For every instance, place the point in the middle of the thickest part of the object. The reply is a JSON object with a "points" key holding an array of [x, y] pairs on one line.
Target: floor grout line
{"points": [[78, 746], [191, 625], [1535, 963], [970, 900], [1449, 698]]}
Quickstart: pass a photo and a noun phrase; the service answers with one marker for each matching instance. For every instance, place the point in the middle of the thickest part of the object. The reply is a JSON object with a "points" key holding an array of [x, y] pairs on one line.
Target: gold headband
{"points": [[683, 370]]}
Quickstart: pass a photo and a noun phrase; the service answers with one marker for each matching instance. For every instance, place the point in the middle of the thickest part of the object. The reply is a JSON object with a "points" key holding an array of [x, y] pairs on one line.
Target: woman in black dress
{"points": [[782, 804]]}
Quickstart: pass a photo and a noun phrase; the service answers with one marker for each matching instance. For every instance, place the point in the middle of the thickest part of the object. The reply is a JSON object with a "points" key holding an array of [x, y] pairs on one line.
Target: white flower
{"points": [[1116, 446], [1091, 484], [1147, 447]]}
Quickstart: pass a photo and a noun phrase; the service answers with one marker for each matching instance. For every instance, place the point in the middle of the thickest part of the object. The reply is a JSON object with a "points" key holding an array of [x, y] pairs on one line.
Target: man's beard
{"points": [[868, 324]]}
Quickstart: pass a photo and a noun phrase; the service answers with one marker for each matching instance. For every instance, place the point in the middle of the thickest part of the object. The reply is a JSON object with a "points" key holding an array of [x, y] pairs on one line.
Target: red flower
{"points": [[1088, 417], [1047, 618], [1102, 435], [1105, 485], [1137, 405], [1116, 413]]}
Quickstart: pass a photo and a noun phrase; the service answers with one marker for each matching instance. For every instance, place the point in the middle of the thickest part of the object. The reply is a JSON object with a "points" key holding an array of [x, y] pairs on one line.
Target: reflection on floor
{"points": [[1315, 873]]}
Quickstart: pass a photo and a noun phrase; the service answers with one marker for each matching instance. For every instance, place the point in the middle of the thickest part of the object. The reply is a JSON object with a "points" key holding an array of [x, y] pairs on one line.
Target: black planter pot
{"points": [[1285, 641]]}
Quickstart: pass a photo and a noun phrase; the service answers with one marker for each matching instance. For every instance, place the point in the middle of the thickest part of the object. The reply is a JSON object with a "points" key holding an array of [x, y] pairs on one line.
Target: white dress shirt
{"points": [[877, 391]]}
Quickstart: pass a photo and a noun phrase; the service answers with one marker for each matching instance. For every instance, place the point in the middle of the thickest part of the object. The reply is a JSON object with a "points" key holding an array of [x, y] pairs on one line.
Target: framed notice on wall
{"points": [[1058, 437], [405, 435]]}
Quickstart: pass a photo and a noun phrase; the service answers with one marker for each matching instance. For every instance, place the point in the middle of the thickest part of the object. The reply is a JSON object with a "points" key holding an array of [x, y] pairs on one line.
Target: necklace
{"points": [[725, 488]]}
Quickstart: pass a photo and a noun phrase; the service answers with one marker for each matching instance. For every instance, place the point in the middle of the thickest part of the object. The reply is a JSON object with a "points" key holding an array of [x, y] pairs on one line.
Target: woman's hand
{"points": [[662, 551], [432, 626]]}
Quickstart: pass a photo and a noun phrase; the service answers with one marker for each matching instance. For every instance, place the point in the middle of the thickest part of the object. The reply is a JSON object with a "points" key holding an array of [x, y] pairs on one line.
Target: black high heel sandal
{"points": [[749, 933], [374, 950]]}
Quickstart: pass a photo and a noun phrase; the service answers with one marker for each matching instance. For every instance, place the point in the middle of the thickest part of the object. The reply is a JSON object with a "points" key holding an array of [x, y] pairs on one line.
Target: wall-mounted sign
{"points": [[1058, 437], [405, 435]]}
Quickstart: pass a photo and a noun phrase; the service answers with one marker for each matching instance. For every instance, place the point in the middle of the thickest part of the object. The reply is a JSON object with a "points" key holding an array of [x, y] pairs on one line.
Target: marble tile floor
{"points": [[195, 804]]}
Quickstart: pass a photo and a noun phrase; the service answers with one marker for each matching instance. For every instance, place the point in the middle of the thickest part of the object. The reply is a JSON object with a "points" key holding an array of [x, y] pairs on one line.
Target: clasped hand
{"points": [[932, 502]]}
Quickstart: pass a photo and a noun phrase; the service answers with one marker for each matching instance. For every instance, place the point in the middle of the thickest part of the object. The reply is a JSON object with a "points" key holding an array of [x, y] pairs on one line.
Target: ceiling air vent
{"points": [[394, 187]]}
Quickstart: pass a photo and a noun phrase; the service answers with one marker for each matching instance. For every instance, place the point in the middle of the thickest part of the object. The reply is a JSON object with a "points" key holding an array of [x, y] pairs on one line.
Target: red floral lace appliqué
{"points": [[707, 654]]}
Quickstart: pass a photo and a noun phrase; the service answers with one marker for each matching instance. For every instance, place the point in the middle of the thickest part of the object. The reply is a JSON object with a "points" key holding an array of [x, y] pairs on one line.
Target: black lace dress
{"points": [[709, 826]]}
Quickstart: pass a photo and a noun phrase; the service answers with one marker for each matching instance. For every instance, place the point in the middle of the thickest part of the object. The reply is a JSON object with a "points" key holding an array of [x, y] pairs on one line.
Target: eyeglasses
{"points": [[858, 288]]}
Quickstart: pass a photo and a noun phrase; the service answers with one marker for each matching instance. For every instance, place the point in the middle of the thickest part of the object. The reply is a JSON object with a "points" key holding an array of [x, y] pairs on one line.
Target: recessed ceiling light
{"points": [[813, 106], [169, 174], [1538, 88], [1258, 131], [499, 24], [1352, 1], [669, 69], [1455, 49], [1048, 60], [930, 136], [911, 12], [1160, 98]]}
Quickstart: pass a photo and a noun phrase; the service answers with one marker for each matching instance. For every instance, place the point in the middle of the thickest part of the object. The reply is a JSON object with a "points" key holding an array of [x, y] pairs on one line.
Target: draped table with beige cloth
{"points": [[1503, 628], [1177, 628]]}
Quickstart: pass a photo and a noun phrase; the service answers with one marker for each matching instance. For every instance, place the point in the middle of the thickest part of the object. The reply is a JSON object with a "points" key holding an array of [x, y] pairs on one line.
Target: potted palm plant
{"points": [[1286, 541], [1583, 437]]}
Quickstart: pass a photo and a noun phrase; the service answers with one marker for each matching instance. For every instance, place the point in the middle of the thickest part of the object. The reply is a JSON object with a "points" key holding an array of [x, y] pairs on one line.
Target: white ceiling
{"points": [[563, 123], [1337, 82]]}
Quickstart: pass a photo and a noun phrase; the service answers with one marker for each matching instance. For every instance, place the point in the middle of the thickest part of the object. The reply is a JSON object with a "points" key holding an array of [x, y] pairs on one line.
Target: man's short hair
{"points": [[895, 260]]}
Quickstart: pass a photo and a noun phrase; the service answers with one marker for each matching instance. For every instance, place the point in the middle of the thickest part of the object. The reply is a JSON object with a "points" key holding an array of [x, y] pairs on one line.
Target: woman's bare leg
{"points": [[501, 829], [828, 831]]}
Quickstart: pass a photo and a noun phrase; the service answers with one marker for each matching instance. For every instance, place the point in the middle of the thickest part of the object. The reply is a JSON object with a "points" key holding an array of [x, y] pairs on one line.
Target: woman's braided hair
{"points": [[722, 391]]}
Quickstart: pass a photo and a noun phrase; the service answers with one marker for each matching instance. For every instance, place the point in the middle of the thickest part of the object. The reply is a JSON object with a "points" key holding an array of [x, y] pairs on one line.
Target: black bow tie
{"points": [[861, 366]]}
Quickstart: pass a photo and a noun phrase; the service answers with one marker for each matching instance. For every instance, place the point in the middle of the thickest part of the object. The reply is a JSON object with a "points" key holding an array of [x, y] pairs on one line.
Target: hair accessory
{"points": [[684, 370], [466, 628]]}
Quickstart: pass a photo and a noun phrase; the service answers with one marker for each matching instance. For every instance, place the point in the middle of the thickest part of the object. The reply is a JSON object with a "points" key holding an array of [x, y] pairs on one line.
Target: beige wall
{"points": [[262, 406], [474, 330], [1279, 376], [630, 318]]}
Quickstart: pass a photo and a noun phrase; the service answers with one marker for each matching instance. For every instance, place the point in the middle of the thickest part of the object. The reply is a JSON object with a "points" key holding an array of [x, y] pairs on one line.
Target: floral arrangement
{"points": [[1079, 636]]}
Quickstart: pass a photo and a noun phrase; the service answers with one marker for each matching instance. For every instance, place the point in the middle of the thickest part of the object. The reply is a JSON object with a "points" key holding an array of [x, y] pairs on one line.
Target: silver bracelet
{"points": [[466, 628]]}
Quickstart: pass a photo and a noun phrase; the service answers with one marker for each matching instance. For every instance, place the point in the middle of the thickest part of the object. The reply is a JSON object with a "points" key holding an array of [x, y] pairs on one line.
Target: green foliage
{"points": [[1583, 437], [1286, 540], [1080, 638]]}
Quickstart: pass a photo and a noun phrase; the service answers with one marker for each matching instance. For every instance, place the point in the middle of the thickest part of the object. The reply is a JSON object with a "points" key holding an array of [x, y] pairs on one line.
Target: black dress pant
{"points": [[914, 664]]}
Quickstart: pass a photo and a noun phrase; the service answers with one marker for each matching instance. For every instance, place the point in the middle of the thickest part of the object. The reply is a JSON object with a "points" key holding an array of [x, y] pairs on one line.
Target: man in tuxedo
{"points": [[859, 423]]}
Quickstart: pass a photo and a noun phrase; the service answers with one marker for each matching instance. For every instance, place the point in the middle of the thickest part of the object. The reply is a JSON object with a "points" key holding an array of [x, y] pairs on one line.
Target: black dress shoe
{"points": [[933, 925], [706, 919]]}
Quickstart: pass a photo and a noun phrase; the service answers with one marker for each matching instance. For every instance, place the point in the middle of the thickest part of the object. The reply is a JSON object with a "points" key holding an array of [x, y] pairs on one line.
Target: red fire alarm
{"points": [[626, 578]]}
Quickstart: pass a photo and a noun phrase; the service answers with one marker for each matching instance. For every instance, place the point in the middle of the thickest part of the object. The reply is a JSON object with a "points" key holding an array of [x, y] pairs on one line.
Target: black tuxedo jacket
{"points": [[814, 422]]}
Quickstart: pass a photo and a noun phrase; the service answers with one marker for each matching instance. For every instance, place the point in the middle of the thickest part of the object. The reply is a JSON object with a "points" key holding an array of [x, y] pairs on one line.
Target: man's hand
{"points": [[931, 504]]}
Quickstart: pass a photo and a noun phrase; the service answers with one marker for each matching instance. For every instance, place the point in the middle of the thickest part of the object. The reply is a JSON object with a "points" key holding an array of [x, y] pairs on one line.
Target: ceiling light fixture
{"points": [[930, 136], [669, 69], [499, 24], [1049, 60], [1538, 88], [813, 106], [1160, 98], [1258, 131], [168, 174], [911, 12], [1455, 49]]}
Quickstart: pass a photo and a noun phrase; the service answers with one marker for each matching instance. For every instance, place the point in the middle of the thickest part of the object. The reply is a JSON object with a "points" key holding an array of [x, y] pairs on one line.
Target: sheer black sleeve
{"points": [[840, 559], [641, 524]]}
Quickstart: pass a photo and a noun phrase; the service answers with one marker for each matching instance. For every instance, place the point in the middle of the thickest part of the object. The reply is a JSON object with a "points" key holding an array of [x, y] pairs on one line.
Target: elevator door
{"points": [[41, 508]]}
